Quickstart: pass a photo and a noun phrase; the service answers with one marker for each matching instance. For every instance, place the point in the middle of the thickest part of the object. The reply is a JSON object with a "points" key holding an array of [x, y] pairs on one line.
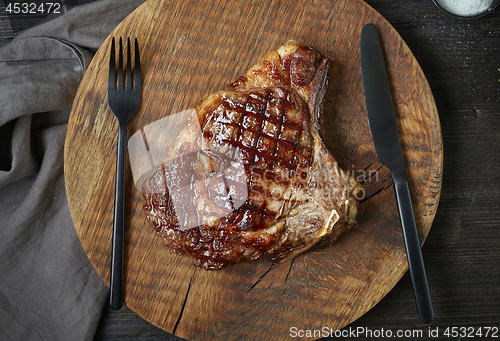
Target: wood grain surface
{"points": [[190, 49]]}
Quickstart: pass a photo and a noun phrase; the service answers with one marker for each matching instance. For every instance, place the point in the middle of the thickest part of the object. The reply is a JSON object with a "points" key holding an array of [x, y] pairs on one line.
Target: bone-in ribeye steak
{"points": [[249, 176]]}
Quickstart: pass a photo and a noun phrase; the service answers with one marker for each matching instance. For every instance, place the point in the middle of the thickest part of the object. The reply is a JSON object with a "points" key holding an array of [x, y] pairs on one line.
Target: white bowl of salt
{"points": [[467, 9]]}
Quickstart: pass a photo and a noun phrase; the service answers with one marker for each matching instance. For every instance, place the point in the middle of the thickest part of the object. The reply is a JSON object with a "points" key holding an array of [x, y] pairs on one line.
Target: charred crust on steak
{"points": [[268, 123]]}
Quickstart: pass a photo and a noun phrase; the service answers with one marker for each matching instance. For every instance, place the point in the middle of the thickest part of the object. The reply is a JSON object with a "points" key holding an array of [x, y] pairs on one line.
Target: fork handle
{"points": [[116, 285]]}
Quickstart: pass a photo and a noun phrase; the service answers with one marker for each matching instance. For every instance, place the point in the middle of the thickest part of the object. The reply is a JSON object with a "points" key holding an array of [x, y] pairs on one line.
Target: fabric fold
{"points": [[48, 288]]}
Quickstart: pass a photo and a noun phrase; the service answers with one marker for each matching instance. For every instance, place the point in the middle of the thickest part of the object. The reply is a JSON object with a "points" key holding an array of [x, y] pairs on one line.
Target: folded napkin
{"points": [[48, 288]]}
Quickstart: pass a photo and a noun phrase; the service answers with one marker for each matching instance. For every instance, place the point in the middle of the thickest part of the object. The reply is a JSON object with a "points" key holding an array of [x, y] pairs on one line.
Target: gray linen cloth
{"points": [[48, 288]]}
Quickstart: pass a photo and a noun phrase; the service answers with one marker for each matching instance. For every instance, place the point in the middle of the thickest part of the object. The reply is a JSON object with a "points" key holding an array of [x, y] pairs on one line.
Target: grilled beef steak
{"points": [[249, 176]]}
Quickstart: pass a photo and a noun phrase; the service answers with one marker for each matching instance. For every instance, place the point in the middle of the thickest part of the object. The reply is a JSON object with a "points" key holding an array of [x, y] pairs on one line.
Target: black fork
{"points": [[124, 100]]}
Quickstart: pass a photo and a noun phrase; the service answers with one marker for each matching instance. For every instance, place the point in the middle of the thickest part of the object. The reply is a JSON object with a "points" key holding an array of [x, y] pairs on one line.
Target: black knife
{"points": [[384, 129]]}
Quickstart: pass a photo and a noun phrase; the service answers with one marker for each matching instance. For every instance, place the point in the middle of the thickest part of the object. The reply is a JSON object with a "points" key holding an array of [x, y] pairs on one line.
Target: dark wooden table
{"points": [[461, 60]]}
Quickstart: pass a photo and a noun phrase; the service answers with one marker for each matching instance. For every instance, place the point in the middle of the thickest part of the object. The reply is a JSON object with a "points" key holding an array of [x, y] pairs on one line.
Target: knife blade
{"points": [[385, 135]]}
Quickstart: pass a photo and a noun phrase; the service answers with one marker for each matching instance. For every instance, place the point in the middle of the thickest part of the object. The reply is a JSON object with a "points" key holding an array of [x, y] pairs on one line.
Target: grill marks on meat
{"points": [[265, 183]]}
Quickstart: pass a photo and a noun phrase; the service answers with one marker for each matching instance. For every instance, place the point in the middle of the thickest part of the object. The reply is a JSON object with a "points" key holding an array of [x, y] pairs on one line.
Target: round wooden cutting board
{"points": [[190, 49]]}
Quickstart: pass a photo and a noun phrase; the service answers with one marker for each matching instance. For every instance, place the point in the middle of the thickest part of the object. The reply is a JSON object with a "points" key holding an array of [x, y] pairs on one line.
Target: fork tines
{"points": [[132, 82]]}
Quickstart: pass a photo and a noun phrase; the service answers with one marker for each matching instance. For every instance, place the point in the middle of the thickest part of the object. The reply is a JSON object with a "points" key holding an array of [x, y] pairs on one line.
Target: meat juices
{"points": [[254, 179]]}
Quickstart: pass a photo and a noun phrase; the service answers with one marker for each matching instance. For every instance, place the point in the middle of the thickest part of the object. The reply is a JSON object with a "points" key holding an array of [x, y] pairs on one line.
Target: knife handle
{"points": [[414, 253]]}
